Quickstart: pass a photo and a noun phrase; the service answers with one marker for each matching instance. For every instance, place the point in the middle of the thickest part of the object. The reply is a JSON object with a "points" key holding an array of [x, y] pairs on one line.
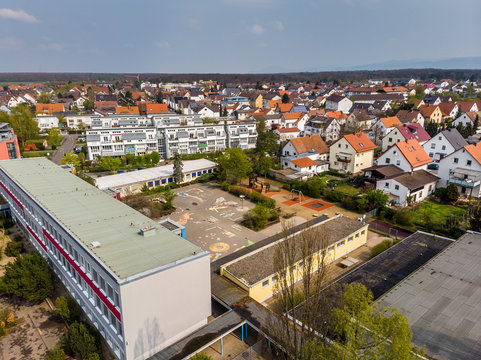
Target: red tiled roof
{"points": [[414, 131], [288, 130]]}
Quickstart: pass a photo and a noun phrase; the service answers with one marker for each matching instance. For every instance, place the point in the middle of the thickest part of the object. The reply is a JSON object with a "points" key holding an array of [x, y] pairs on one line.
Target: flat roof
{"points": [[91, 215], [442, 301], [144, 175], [385, 270], [259, 265]]}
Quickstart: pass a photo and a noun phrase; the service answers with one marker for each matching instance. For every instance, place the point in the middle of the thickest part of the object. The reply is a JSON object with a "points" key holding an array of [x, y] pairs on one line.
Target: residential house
{"points": [[413, 116], [462, 168], [403, 133], [8, 143], [307, 155], [287, 133], [294, 119], [127, 110], [407, 155], [431, 113], [444, 143], [338, 103], [409, 187], [352, 153], [383, 126], [147, 109], [467, 106], [283, 108], [48, 109], [359, 120], [465, 119], [46, 122], [328, 128], [449, 109]]}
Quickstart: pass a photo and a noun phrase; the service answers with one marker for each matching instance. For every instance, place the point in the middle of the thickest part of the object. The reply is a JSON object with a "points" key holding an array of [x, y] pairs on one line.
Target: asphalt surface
{"points": [[66, 147]]}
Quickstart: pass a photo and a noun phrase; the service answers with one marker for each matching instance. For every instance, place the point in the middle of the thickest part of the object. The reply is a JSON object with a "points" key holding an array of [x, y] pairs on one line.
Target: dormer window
{"points": [[361, 144]]}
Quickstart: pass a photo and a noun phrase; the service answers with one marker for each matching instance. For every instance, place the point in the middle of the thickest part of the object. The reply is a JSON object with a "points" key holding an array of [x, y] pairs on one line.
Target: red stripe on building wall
{"points": [[13, 197], [36, 238], [84, 276]]}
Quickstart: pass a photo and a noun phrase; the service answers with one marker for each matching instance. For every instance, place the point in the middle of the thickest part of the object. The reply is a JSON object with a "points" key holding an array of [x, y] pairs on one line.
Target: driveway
{"points": [[67, 146]]}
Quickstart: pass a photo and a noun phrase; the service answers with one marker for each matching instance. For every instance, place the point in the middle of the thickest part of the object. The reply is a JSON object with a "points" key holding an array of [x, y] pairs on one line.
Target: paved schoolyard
{"points": [[212, 219]]}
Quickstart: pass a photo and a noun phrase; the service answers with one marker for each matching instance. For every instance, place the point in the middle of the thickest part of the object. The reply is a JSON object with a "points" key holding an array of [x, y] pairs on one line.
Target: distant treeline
{"points": [[312, 77]]}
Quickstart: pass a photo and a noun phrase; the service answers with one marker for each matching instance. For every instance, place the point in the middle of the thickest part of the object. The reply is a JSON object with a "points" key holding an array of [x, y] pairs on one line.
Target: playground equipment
{"points": [[299, 196], [255, 183]]}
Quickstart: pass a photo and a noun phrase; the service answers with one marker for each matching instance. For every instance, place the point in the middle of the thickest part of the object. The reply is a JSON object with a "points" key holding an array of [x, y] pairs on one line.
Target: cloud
{"points": [[51, 46], [18, 15], [9, 43], [257, 29], [279, 25], [163, 44]]}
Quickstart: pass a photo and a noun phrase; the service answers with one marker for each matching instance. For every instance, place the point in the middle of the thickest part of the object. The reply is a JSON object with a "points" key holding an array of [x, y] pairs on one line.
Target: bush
{"points": [[349, 203], [258, 217], [225, 186], [440, 193], [379, 248], [28, 277], [452, 194], [403, 217], [201, 356], [82, 340], [387, 213], [56, 354], [334, 196], [14, 248]]}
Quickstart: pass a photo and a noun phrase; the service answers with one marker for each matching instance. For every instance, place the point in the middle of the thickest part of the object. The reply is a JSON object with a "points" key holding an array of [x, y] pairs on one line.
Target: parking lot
{"points": [[212, 219]]}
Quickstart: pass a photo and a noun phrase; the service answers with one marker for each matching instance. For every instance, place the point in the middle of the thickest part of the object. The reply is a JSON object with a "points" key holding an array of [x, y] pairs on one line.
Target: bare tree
{"points": [[299, 264]]}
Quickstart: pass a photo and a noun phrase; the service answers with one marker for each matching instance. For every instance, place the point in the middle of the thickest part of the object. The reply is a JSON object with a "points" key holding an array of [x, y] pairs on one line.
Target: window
{"points": [[301, 265], [164, 181], [431, 154], [170, 180], [443, 147], [386, 185], [468, 162], [116, 298], [388, 160], [356, 236], [455, 160], [96, 276], [110, 291], [331, 249], [157, 182], [390, 139], [265, 283], [102, 283], [150, 183], [275, 278], [433, 146], [363, 232], [350, 239], [398, 162], [341, 244], [396, 187]]}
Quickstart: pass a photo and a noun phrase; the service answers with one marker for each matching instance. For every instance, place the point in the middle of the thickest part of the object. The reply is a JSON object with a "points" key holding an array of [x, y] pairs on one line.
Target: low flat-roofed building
{"points": [[134, 279], [132, 181], [442, 301], [255, 272]]}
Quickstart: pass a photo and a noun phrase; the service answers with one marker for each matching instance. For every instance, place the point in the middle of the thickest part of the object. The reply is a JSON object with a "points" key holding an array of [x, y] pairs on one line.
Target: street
{"points": [[66, 147]]}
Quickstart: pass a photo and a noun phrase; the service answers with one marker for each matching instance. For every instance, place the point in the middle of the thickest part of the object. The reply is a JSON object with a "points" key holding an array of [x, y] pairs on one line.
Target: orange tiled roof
{"points": [[391, 121], [288, 130], [306, 144], [156, 108], [389, 89], [49, 108], [273, 103], [304, 162], [283, 108], [127, 110], [413, 152], [292, 115], [427, 110], [360, 142], [336, 114], [475, 151]]}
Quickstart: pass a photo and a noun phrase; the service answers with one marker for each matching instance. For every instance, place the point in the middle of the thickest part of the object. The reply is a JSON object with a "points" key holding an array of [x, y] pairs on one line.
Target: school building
{"points": [[134, 279], [255, 272]]}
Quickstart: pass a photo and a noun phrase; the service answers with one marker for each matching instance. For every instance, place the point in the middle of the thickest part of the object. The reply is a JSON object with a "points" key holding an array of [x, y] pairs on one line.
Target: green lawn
{"points": [[438, 213], [346, 189]]}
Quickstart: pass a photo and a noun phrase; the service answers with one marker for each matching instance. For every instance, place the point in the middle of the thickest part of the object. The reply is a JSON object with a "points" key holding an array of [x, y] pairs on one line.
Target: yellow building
{"points": [[255, 272], [431, 113], [352, 153]]}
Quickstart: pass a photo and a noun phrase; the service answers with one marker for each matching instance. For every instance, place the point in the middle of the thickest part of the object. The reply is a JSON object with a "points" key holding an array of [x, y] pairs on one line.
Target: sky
{"points": [[231, 36]]}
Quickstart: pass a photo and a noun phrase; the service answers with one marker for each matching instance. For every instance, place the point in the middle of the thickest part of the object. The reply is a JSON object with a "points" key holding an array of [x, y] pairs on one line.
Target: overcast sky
{"points": [[231, 35]]}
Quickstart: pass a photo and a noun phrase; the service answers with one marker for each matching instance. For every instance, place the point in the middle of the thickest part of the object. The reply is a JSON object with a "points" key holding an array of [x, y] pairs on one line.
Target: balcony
{"points": [[464, 177], [343, 157]]}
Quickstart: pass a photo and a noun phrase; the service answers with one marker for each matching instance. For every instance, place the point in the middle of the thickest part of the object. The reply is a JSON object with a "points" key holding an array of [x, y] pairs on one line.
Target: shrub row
{"points": [[253, 196]]}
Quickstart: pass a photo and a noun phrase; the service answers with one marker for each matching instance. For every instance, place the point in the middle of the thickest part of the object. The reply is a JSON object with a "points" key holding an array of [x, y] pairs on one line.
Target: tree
{"points": [[178, 165], [452, 193], [153, 158], [53, 137], [81, 340], [168, 196], [295, 327], [43, 98], [285, 98], [201, 356], [266, 140], [224, 112], [21, 120], [234, 165], [159, 97], [475, 218], [419, 92], [431, 128], [71, 159], [28, 277], [376, 198], [110, 163], [263, 164], [88, 105], [67, 308], [14, 248], [361, 329]]}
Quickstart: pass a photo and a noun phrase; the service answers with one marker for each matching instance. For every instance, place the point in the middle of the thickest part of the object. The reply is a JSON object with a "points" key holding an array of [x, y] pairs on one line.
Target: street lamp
{"points": [[242, 201]]}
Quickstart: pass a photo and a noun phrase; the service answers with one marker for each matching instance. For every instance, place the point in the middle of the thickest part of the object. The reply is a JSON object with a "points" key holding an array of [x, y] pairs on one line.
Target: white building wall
{"points": [[166, 306]]}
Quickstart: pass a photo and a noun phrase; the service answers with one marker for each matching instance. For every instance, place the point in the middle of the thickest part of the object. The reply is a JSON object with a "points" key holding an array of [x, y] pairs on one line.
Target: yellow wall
{"points": [[362, 160], [262, 291], [436, 116], [359, 161]]}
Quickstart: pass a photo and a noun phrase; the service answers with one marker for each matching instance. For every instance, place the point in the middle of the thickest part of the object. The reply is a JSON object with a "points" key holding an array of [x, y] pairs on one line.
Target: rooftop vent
{"points": [[148, 231], [95, 244]]}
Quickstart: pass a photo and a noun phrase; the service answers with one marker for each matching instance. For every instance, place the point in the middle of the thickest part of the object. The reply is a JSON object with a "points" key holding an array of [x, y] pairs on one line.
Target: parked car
{"points": [[433, 166]]}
